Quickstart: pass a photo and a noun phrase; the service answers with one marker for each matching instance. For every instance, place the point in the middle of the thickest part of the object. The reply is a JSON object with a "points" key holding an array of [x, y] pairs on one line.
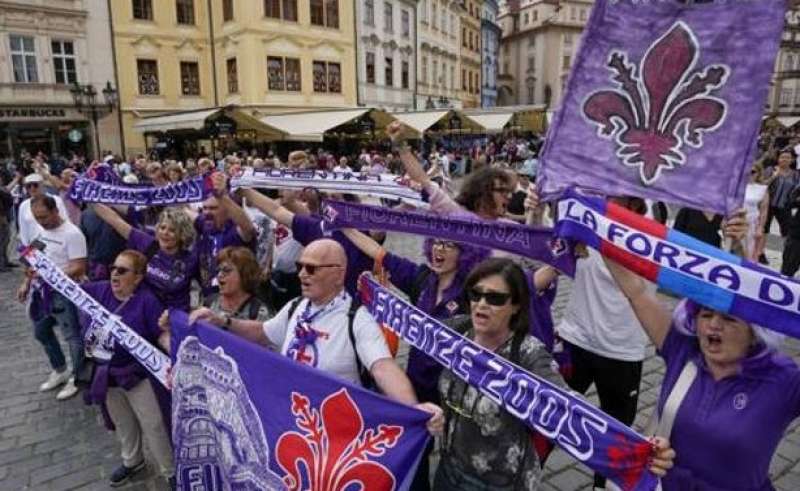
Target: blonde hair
{"points": [[181, 223]]}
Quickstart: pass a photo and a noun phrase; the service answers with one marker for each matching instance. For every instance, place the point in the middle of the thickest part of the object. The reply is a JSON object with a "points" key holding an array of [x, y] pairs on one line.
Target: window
{"points": [[185, 11], [452, 77], [786, 96], [796, 98], [454, 25], [573, 13], [531, 42], [435, 79], [369, 12], [334, 77], [325, 13], [190, 78], [148, 77], [434, 12], [317, 12], [143, 9], [370, 68], [464, 37], [531, 63], [424, 74], [281, 9], [388, 19], [233, 75], [531, 89], [320, 72], [788, 63], [443, 16], [23, 59], [566, 61], [405, 23], [388, 72], [423, 11], [64, 62], [567, 39], [583, 14], [526, 18], [463, 79], [283, 73], [227, 10], [404, 72]]}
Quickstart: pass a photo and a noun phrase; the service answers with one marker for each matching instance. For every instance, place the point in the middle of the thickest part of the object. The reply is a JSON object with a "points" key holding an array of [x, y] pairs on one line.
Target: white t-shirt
{"points": [[28, 226], [331, 351], [342, 168], [598, 317], [62, 244], [287, 250]]}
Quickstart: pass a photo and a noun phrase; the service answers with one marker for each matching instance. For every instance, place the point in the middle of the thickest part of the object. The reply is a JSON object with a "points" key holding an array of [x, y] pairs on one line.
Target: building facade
{"points": [[263, 55], [438, 54], [540, 41], [784, 96], [386, 31], [490, 48], [45, 47], [470, 53]]}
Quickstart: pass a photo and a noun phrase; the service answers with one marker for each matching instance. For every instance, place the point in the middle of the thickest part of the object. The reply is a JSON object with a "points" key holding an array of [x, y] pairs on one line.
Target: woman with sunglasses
{"points": [[483, 447], [172, 255], [120, 384]]}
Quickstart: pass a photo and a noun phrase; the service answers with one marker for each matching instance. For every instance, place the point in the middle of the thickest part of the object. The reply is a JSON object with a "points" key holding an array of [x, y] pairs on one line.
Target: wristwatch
{"points": [[227, 325]]}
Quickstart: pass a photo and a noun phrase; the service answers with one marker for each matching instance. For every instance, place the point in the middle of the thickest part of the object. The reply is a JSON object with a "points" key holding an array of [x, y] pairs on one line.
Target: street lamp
{"points": [[85, 99]]}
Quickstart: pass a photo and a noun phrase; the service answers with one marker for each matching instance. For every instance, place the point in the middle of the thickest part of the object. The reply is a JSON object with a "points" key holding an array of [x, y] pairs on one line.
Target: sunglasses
{"points": [[495, 299], [32, 185], [120, 270], [312, 268]]}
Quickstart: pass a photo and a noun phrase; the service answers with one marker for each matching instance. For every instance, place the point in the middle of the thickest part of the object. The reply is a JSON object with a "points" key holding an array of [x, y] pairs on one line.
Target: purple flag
{"points": [[246, 418], [665, 97]]}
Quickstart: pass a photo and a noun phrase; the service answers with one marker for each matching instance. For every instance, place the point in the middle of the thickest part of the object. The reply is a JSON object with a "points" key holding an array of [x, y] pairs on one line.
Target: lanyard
{"points": [[304, 334]]}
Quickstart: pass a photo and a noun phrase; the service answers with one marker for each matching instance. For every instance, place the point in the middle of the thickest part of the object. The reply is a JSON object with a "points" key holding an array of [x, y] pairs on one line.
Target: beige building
{"points": [[784, 96], [45, 47], [470, 54], [265, 56], [438, 60], [539, 43]]}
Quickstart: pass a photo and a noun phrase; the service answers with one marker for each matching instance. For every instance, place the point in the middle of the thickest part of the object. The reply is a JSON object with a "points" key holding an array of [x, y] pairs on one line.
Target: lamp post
{"points": [[85, 99]]}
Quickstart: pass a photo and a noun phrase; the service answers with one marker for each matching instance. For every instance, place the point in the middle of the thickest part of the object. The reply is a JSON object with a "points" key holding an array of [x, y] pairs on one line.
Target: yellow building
{"points": [[266, 56], [470, 54]]}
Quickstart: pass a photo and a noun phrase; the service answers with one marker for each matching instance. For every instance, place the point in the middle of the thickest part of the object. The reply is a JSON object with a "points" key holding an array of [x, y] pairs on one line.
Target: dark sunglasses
{"points": [[495, 299], [120, 270], [312, 268]]}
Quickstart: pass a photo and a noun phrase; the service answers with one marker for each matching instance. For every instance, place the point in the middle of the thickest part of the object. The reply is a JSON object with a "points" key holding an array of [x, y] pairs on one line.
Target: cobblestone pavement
{"points": [[51, 445]]}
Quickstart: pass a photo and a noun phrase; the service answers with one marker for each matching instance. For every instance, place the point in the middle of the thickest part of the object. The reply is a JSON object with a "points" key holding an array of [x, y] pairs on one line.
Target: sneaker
{"points": [[173, 483], [69, 390], [54, 380], [123, 474]]}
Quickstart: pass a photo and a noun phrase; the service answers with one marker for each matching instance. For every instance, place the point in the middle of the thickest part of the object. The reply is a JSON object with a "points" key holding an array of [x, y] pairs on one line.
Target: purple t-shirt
{"points": [[726, 431], [210, 241], [169, 276], [307, 229], [140, 313]]}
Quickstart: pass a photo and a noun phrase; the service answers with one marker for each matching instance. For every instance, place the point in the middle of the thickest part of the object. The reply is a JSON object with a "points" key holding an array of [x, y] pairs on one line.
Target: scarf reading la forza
{"points": [[235, 428], [664, 95], [103, 321], [86, 190], [532, 242], [683, 264], [591, 436]]}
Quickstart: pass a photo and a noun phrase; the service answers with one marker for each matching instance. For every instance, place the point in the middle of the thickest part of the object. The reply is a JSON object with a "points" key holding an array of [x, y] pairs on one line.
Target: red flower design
{"points": [[653, 113], [628, 461], [332, 449]]}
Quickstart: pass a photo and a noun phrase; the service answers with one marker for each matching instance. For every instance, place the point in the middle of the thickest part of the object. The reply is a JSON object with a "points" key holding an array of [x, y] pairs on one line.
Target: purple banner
{"points": [[532, 242], [85, 190], [235, 427], [665, 96], [586, 433]]}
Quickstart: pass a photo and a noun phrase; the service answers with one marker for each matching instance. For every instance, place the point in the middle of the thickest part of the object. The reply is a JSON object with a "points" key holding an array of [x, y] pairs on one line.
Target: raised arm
{"points": [[269, 206], [112, 218], [247, 231], [413, 167], [363, 242]]}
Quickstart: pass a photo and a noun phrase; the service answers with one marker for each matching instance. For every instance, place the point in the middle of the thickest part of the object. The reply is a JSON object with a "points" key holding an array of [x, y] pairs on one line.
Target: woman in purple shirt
{"points": [[739, 394], [120, 384], [172, 254]]}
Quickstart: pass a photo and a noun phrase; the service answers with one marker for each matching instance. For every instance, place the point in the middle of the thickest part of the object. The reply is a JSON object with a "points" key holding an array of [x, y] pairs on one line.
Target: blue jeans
{"points": [[63, 313]]}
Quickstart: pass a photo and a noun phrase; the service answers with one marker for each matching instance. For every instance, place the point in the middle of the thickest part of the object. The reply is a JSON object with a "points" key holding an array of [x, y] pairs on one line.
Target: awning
{"points": [[492, 122], [193, 120], [196, 120], [420, 121], [788, 121], [311, 126]]}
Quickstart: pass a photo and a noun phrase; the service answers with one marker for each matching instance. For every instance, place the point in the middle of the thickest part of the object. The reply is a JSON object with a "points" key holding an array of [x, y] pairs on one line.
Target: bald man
{"points": [[313, 329]]}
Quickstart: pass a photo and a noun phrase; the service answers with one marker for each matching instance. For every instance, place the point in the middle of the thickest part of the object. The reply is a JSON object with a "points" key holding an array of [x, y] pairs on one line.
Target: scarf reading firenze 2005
{"points": [[682, 264], [156, 362], [596, 439]]}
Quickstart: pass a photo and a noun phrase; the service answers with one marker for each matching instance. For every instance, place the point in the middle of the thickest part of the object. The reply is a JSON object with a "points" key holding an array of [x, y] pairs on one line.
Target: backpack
{"points": [[363, 374], [253, 306]]}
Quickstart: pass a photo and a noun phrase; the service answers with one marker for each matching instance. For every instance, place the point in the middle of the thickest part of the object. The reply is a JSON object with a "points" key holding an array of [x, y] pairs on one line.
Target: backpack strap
{"points": [[293, 306], [363, 374], [419, 282], [662, 426], [151, 250]]}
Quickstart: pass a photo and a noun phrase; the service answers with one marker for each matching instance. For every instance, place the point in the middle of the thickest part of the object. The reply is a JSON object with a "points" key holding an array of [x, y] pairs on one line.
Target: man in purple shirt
{"points": [[222, 223]]}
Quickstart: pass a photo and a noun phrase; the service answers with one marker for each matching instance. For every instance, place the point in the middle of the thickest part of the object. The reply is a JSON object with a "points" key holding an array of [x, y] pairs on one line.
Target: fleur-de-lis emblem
{"points": [[625, 458], [660, 106], [332, 449]]}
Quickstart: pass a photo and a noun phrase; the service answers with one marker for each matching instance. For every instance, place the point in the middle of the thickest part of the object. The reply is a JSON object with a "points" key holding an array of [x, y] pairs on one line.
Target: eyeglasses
{"points": [[225, 270], [312, 268], [32, 185], [444, 244], [495, 299], [120, 270]]}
